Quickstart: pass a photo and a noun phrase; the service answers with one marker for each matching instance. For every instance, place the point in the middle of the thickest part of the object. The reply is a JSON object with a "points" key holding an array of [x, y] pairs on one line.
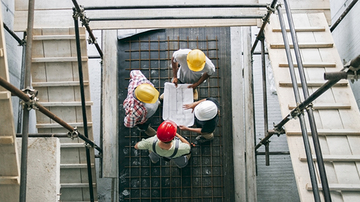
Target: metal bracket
{"points": [[31, 104], [81, 14], [91, 41], [74, 134], [268, 6], [278, 131]]}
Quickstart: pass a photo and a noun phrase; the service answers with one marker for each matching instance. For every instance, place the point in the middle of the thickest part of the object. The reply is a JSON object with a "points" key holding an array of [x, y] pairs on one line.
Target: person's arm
{"points": [[200, 81], [192, 105], [174, 70], [181, 139], [196, 130], [136, 146]]}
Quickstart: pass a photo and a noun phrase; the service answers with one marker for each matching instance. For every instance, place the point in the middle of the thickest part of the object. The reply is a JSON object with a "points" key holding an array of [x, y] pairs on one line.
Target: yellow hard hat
{"points": [[146, 93], [196, 60]]}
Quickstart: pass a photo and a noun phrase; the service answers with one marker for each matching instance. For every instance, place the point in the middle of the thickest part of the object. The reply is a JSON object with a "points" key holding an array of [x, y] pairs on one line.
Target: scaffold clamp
{"points": [[31, 93], [73, 134]]}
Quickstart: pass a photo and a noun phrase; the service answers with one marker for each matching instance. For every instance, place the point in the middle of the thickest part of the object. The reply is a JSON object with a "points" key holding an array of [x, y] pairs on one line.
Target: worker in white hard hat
{"points": [[141, 103], [206, 113], [191, 67]]}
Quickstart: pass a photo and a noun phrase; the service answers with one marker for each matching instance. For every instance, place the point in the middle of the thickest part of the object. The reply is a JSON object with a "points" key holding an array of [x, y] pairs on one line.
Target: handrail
{"points": [[46, 112], [85, 22], [83, 104], [314, 133], [271, 9], [20, 41], [310, 162]]}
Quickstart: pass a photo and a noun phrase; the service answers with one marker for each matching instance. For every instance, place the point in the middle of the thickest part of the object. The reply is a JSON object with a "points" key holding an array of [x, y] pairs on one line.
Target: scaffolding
{"points": [[28, 95]]}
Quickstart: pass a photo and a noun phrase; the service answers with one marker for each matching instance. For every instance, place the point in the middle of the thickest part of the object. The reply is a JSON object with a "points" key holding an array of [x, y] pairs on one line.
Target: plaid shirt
{"points": [[135, 111]]}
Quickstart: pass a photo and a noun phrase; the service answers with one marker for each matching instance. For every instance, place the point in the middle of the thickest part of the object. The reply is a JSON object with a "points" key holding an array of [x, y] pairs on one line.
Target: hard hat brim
{"points": [[194, 68], [152, 101]]}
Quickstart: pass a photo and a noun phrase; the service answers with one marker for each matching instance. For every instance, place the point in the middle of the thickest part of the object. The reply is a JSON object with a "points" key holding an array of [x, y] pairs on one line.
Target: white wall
{"points": [[346, 35]]}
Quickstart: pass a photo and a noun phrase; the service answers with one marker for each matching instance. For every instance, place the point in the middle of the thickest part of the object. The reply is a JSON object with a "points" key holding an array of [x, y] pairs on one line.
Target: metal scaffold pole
{"points": [[314, 133], [25, 129], [83, 104], [300, 115]]}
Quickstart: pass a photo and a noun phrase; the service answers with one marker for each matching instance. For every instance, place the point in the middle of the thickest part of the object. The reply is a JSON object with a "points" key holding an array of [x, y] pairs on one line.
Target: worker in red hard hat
{"points": [[141, 103], [191, 66], [167, 144], [206, 114]]}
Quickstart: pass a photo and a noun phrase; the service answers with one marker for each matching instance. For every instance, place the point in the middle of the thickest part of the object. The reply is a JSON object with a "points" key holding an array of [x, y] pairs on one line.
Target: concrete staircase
{"points": [[54, 73]]}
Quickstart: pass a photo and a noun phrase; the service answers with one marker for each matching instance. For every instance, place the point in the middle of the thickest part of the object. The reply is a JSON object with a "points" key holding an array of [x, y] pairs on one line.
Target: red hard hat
{"points": [[166, 131]]}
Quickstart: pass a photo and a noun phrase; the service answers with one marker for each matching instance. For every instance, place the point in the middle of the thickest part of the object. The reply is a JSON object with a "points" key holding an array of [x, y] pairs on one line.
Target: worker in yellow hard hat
{"points": [[191, 66], [141, 103]]}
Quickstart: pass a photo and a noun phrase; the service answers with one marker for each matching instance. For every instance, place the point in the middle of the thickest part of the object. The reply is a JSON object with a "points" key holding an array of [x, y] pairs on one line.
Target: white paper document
{"points": [[174, 100]]}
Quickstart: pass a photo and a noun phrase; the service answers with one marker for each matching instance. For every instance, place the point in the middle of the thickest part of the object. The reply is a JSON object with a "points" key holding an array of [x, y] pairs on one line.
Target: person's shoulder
{"points": [[181, 52]]}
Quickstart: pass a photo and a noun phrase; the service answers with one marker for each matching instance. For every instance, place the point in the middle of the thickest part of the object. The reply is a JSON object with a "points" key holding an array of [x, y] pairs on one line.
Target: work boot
{"points": [[196, 94], [201, 140], [150, 131]]}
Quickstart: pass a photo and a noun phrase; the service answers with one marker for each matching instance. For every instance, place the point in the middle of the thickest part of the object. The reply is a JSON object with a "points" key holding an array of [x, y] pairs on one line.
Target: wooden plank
{"points": [[56, 37], [311, 65], [64, 104], [5, 95], [6, 180], [72, 145], [56, 125], [59, 59], [326, 106], [75, 185], [338, 187], [331, 158], [302, 29], [328, 132], [58, 84], [6, 140], [71, 166], [303, 45], [313, 84]]}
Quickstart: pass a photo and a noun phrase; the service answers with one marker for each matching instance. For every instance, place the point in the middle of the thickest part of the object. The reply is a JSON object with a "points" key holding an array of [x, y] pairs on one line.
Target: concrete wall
{"points": [[43, 179]]}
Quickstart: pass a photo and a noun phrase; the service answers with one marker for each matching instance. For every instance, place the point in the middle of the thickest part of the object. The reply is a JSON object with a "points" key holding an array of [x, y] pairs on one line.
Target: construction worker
{"points": [[191, 66], [167, 144], [206, 112], [141, 103]]}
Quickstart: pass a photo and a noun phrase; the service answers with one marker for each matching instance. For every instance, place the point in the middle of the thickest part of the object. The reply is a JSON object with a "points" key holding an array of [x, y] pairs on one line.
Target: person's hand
{"points": [[175, 81], [182, 127], [189, 106], [192, 86]]}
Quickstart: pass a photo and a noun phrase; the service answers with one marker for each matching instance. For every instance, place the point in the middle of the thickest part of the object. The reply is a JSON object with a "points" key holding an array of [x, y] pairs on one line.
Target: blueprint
{"points": [[174, 99]]}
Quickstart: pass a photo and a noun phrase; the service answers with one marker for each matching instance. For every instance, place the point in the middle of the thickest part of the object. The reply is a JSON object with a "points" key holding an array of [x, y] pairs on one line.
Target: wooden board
{"points": [[55, 75], [9, 166], [339, 134], [61, 13]]}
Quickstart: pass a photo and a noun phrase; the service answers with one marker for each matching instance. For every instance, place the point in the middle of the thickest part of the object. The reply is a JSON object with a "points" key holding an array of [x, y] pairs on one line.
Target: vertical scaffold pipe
{"points": [[83, 106], [25, 128], [301, 116], [309, 110]]}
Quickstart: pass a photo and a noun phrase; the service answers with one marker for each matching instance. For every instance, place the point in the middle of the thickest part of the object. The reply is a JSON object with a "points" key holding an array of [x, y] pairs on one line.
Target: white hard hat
{"points": [[206, 110]]}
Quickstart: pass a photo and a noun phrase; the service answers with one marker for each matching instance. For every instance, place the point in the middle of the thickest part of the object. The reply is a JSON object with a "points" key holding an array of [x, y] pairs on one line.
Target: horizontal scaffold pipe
{"points": [[45, 111], [178, 18], [178, 6]]}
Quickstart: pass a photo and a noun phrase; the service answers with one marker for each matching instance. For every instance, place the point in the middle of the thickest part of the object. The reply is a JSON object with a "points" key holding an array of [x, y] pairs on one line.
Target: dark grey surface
{"points": [[209, 175]]}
